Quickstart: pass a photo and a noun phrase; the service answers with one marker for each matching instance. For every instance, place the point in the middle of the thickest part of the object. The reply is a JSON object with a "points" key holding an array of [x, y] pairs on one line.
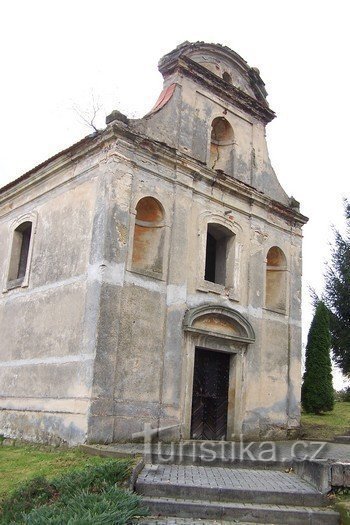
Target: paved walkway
{"points": [[224, 478]]}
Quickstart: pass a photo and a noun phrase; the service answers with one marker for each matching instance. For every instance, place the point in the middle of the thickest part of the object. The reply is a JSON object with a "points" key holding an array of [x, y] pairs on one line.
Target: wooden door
{"points": [[210, 395]]}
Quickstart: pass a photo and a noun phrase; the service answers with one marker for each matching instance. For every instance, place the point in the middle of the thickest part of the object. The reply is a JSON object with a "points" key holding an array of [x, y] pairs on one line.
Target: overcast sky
{"points": [[56, 55]]}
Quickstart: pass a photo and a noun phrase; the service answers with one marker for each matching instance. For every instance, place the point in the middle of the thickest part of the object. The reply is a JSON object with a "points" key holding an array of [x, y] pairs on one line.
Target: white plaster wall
{"points": [[46, 368]]}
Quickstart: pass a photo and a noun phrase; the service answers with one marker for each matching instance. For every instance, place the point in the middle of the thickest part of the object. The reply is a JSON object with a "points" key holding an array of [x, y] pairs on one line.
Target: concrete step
{"points": [[223, 484], [156, 520], [220, 453], [342, 439], [246, 512], [198, 453]]}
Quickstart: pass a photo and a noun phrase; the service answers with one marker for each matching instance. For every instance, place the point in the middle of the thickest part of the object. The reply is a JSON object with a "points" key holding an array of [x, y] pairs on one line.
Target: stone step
{"points": [[198, 453], [187, 458], [213, 453], [156, 520], [246, 512], [342, 439], [223, 484]]}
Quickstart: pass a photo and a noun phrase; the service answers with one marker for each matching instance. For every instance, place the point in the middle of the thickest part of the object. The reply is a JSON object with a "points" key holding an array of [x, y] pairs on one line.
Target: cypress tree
{"points": [[317, 390], [337, 296]]}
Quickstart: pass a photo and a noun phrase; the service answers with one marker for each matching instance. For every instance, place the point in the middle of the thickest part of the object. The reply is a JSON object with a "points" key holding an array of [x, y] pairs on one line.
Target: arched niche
{"points": [[219, 321], [221, 145], [148, 241], [276, 280]]}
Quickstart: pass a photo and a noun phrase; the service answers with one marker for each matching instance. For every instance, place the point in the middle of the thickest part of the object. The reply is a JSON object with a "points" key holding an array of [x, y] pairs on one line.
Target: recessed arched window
{"points": [[227, 77], [219, 243], [148, 244], [20, 252], [276, 280], [221, 145]]}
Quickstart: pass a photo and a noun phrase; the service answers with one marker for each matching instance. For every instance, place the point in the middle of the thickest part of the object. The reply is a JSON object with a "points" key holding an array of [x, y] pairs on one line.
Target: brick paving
{"points": [[224, 478], [264, 496]]}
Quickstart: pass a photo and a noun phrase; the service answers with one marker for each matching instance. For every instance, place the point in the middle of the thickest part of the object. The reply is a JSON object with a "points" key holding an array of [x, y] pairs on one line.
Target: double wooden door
{"points": [[210, 395]]}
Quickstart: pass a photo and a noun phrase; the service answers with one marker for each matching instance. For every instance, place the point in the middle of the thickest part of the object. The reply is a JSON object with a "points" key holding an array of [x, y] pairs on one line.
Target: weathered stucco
{"points": [[100, 336]]}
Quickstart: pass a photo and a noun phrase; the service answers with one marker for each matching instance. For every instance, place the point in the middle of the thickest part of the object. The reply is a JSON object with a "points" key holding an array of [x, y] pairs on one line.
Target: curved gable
{"points": [[224, 63]]}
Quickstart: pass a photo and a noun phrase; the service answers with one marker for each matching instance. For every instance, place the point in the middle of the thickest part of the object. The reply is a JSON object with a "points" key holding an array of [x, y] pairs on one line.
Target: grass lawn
{"points": [[44, 486], [327, 425], [342, 505], [21, 463]]}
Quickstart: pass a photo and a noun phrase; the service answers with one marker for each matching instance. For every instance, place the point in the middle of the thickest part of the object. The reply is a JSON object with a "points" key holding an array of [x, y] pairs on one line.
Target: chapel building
{"points": [[151, 273]]}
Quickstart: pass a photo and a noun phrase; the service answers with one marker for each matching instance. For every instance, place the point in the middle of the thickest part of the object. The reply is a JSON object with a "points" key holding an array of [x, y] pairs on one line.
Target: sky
{"points": [[59, 58]]}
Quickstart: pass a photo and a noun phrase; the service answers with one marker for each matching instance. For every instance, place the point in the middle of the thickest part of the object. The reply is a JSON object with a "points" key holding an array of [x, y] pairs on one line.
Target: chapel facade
{"points": [[151, 273]]}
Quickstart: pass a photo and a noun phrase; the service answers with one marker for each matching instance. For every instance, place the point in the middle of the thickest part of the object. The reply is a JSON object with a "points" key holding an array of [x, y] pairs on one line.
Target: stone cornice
{"points": [[141, 144], [198, 170]]}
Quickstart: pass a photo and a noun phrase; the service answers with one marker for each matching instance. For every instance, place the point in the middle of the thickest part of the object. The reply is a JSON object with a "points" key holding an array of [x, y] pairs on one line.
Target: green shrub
{"points": [[96, 478], [35, 492], [343, 507], [344, 395], [110, 507], [317, 394], [83, 496]]}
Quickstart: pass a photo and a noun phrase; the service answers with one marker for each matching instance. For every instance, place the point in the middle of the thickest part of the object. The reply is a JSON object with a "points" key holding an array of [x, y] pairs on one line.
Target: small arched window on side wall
{"points": [[276, 280], [20, 252], [149, 235], [221, 145], [218, 254]]}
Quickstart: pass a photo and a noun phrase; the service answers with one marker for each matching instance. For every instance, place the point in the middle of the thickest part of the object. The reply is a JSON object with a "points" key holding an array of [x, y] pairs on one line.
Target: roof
{"points": [[67, 151]]}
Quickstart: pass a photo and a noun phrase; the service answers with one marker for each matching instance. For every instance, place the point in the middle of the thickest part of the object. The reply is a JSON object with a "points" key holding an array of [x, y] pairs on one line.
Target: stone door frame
{"points": [[234, 344]]}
